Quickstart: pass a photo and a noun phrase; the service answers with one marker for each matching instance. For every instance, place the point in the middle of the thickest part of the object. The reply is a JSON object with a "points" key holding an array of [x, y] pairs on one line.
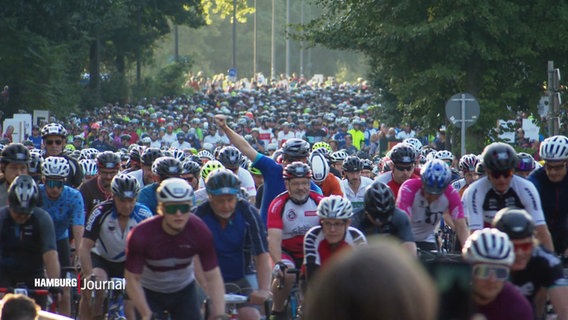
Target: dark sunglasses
{"points": [[173, 208], [50, 142], [54, 183], [405, 168], [498, 173]]}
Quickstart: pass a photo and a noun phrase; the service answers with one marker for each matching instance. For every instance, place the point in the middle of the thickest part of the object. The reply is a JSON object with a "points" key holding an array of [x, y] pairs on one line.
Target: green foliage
{"points": [[172, 77]]}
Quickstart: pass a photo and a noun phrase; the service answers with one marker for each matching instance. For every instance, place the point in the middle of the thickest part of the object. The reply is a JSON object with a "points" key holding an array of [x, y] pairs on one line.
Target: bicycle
{"points": [[114, 302], [293, 305]]}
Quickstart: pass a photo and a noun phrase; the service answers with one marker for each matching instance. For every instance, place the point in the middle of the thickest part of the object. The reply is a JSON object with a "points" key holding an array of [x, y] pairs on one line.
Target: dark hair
{"points": [[19, 307]]}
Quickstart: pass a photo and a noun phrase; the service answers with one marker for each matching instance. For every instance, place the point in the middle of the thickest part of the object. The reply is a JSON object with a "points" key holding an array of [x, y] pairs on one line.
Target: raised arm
{"points": [[238, 141]]}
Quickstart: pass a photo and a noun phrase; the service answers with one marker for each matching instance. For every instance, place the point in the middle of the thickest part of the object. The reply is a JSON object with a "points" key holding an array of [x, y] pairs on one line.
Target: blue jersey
{"points": [[273, 182], [148, 197], [67, 211], [244, 236]]}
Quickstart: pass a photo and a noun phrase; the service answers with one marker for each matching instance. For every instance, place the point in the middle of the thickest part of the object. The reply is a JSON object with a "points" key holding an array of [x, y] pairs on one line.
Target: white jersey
{"points": [[357, 198], [481, 202]]}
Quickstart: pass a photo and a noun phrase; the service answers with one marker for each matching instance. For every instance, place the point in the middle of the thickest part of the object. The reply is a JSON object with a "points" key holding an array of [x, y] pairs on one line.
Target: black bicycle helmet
{"points": [[367, 164], [352, 164], [222, 181], [15, 153], [125, 186], [499, 156], [134, 153], [149, 155], [195, 159], [108, 160], [190, 167], [516, 223], [166, 167], [296, 148], [379, 201], [297, 169], [230, 157], [526, 162], [403, 153], [23, 194]]}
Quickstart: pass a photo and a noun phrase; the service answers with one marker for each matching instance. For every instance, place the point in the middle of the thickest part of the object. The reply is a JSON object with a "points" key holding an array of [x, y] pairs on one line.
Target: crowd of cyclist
{"points": [[167, 206]]}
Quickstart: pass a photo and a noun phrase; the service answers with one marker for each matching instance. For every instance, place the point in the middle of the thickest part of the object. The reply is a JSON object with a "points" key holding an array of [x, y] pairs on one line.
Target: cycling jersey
{"points": [[424, 216], [243, 233], [93, 194], [508, 305], [555, 207], [22, 245], [544, 270], [397, 226], [104, 229], [332, 186], [273, 182], [317, 250], [481, 202], [294, 220], [165, 262], [357, 198], [148, 197], [66, 211], [387, 179], [460, 185]]}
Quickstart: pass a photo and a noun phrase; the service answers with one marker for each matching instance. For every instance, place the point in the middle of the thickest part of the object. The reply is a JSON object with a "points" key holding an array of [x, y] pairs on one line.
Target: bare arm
{"points": [[136, 294], [410, 246], [559, 298], [199, 275], [85, 256], [216, 291], [461, 230], [238, 141], [77, 235], [275, 244], [51, 262], [264, 277], [543, 236]]}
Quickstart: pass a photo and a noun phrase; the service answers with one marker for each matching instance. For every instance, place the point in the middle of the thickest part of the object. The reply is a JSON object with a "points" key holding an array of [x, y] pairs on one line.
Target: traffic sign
{"points": [[462, 106]]}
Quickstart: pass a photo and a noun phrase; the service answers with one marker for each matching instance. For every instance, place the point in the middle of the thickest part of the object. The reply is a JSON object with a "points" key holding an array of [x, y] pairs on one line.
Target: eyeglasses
{"points": [[498, 173], [484, 271], [558, 167], [54, 183], [525, 246], [51, 142], [174, 208], [336, 225], [405, 168]]}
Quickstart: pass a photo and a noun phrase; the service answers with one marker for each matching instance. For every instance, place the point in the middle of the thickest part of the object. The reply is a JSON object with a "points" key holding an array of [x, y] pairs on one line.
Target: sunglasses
{"points": [[504, 173], [526, 246], [405, 168], [484, 271], [54, 183], [174, 208], [51, 142]]}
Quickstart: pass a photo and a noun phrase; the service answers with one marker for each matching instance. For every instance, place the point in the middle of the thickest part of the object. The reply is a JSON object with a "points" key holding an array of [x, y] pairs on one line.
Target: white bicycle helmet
{"points": [[320, 167], [489, 245], [338, 156], [205, 154], [53, 129], [174, 190], [415, 143], [89, 167], [89, 153], [335, 207], [444, 155], [554, 148], [55, 167]]}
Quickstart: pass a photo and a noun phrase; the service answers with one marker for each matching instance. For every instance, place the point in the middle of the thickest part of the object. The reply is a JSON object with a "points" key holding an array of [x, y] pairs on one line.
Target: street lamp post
{"points": [[234, 34]]}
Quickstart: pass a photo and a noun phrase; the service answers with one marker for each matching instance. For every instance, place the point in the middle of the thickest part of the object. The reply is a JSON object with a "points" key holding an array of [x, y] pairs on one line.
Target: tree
{"points": [[423, 52]]}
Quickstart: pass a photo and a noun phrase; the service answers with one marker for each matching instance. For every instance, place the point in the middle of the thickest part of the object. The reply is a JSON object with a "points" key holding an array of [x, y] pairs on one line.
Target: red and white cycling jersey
{"points": [[387, 179], [294, 220], [424, 216], [318, 250]]}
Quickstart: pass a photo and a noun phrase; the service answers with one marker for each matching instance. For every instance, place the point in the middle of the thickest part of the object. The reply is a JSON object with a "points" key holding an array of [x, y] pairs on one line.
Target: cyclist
{"points": [[54, 137], [426, 199], [336, 163], [191, 172], [491, 254], [34, 168], [403, 158], [525, 166], [201, 194], [144, 174], [290, 216], [551, 182], [354, 185], [536, 271], [153, 283], [65, 206], [501, 188], [89, 168], [98, 189], [230, 157], [292, 150], [329, 183], [163, 168], [448, 158], [15, 161], [28, 249], [102, 251], [383, 217], [467, 166], [237, 230], [332, 235]]}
